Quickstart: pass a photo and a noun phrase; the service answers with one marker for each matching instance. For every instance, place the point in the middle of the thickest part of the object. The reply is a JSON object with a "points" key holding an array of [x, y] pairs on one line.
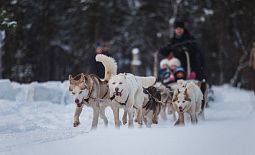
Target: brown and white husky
{"points": [[93, 92]]}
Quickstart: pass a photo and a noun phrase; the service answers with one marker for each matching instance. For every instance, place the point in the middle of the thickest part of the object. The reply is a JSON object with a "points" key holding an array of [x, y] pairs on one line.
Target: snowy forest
{"points": [[49, 39]]}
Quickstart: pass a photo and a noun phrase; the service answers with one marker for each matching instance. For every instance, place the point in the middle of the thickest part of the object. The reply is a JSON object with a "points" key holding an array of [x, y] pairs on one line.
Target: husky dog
{"points": [[88, 89], [187, 98], [166, 97], [181, 84], [151, 106], [126, 91]]}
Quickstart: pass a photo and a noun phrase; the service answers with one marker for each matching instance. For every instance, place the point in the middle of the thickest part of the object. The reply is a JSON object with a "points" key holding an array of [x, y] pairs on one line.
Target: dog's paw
{"points": [[178, 123], [155, 121], [130, 125], [93, 128], [75, 124], [124, 121], [148, 125]]}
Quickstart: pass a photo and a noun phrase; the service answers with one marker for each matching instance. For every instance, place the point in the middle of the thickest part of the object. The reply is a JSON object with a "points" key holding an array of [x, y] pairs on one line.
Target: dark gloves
{"points": [[164, 51]]}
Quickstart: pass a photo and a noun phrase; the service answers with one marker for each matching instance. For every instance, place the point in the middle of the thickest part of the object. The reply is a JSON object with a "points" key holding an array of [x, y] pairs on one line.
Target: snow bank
{"points": [[6, 90], [34, 124], [54, 92]]}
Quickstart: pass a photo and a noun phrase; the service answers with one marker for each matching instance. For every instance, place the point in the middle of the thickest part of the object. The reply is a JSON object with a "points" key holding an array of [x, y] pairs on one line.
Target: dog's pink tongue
{"points": [[118, 94]]}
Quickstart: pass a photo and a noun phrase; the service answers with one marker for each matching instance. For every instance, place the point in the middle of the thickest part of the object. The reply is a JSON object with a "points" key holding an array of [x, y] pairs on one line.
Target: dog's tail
{"points": [[110, 65], [146, 81]]}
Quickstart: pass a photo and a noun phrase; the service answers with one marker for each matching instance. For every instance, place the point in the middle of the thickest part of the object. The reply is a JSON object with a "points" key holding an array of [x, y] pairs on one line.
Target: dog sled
{"points": [[169, 77]]}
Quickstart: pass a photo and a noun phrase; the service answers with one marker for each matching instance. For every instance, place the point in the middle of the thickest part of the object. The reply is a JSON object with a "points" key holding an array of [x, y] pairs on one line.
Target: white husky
{"points": [[126, 90], [187, 98]]}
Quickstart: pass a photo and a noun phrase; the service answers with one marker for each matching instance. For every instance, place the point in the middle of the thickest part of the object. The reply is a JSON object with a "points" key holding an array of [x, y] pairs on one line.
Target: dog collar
{"points": [[86, 100], [120, 102]]}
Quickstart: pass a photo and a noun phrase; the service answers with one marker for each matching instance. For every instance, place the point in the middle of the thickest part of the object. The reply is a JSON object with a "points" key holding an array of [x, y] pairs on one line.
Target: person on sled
{"points": [[171, 70], [184, 47]]}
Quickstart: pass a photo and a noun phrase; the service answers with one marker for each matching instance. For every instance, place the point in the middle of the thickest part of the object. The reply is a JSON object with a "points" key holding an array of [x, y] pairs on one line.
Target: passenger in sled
{"points": [[182, 47], [171, 70]]}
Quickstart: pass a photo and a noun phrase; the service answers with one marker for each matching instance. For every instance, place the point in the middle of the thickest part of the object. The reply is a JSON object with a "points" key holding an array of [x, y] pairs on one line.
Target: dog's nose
{"points": [[76, 101], [180, 108], [116, 89]]}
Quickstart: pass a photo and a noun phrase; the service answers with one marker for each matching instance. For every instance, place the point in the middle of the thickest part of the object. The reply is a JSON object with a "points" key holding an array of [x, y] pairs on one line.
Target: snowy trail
{"points": [[45, 128]]}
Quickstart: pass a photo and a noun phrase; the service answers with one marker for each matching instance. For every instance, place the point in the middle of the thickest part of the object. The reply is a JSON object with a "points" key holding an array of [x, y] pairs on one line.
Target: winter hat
{"points": [[179, 73], [168, 63], [164, 63], [174, 62], [179, 24]]}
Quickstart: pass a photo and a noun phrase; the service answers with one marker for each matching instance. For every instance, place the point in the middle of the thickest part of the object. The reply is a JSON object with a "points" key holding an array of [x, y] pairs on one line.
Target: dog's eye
{"points": [[178, 101], [120, 83], [73, 93], [183, 101], [80, 92], [113, 83]]}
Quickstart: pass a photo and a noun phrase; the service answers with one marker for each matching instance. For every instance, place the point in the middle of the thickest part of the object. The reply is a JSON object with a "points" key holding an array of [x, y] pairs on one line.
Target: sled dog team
{"points": [[141, 99]]}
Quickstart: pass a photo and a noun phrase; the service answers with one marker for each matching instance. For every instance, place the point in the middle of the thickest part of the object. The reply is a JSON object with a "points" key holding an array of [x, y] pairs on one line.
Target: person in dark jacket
{"points": [[97, 68], [181, 42]]}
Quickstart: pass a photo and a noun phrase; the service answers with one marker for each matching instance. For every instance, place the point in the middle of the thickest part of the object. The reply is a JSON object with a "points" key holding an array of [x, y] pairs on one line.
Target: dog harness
{"points": [[105, 93], [90, 91], [151, 96], [87, 99], [113, 97]]}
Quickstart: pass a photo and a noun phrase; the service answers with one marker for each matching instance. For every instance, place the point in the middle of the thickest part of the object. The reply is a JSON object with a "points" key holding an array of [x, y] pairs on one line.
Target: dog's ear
{"points": [[186, 95], [70, 77], [70, 88], [112, 75], [178, 91], [171, 93], [199, 84], [89, 82], [185, 91], [175, 96], [71, 80], [82, 79]]}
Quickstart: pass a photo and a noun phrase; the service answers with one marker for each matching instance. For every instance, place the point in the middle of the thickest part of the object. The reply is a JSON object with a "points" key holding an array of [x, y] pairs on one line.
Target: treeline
{"points": [[54, 38]]}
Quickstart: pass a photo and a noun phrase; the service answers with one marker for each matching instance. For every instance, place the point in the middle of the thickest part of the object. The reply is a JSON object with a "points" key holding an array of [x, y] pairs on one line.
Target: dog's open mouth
{"points": [[79, 104], [181, 109], [119, 93]]}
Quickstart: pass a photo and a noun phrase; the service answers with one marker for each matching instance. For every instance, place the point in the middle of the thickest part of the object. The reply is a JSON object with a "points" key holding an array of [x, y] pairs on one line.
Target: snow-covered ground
{"points": [[36, 119]]}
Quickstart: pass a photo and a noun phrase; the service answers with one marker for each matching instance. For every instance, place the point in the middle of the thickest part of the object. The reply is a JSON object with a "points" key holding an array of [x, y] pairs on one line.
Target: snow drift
{"points": [[37, 119]]}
